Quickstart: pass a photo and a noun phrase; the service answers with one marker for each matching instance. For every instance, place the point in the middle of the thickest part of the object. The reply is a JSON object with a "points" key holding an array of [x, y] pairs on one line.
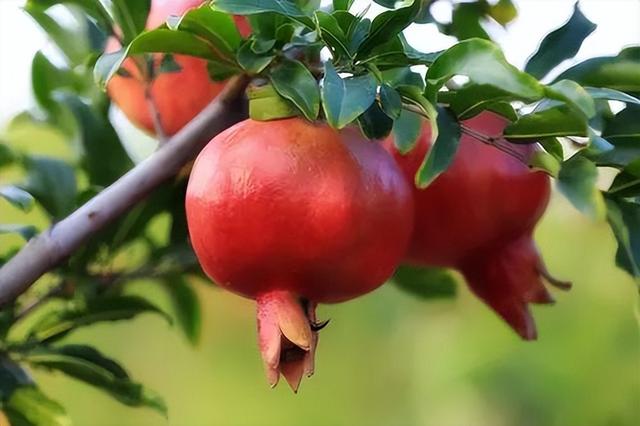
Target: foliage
{"points": [[373, 79]]}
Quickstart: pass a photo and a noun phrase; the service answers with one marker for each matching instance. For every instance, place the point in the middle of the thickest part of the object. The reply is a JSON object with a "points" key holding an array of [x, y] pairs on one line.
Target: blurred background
{"points": [[386, 358]]}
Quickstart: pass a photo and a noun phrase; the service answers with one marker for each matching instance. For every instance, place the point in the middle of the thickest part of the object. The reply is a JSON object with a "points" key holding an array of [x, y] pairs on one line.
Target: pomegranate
{"points": [[291, 214], [478, 217], [179, 96]]}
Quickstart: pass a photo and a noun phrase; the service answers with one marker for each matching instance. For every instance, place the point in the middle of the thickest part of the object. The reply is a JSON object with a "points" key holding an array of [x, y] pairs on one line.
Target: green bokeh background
{"points": [[386, 358]]}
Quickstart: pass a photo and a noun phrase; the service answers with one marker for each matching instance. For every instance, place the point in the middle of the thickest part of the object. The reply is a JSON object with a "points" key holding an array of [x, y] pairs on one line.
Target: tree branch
{"points": [[53, 246]]}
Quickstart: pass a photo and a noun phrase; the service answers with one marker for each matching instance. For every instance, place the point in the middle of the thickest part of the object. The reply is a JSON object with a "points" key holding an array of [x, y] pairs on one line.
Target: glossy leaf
{"points": [[390, 101], [130, 16], [406, 130], [186, 307], [342, 4], [214, 26], [28, 404], [443, 151], [387, 25], [17, 197], [426, 283], [620, 72], [344, 99], [466, 20], [577, 181], [56, 324], [281, 7], [12, 376], [53, 183], [552, 122], [624, 220], [25, 231], [574, 95], [611, 94], [104, 158], [253, 62], [484, 63], [332, 34], [560, 44], [94, 8], [293, 81], [86, 364], [374, 123], [627, 183]]}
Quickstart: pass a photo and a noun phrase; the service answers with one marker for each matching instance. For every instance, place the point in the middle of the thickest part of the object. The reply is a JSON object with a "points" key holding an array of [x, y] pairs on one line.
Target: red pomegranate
{"points": [[178, 96], [292, 214], [479, 216]]}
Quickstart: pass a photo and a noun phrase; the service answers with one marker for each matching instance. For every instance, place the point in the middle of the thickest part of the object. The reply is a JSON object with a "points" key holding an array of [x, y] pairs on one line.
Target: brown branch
{"points": [[53, 246]]}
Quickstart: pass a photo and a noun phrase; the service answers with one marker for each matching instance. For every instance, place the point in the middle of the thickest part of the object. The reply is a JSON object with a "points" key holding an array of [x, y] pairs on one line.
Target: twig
{"points": [[155, 114], [53, 246]]}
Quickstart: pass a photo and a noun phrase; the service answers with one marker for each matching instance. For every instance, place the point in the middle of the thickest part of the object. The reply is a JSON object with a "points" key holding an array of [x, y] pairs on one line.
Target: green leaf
{"points": [[253, 62], [374, 123], [12, 376], [387, 25], [627, 183], [53, 183], [443, 151], [168, 64], [46, 79], [622, 134], [624, 220], [56, 324], [186, 307], [130, 16], [72, 43], [390, 101], [484, 63], [86, 364], [577, 181], [620, 72], [216, 27], [17, 197], [553, 147], [425, 282], [342, 4], [345, 99], [104, 158], [293, 81], [472, 99], [282, 7], [465, 20], [395, 77], [406, 131], [158, 41], [30, 405], [94, 8], [552, 122], [332, 34], [573, 94], [560, 44], [25, 231], [266, 104], [7, 156], [611, 94]]}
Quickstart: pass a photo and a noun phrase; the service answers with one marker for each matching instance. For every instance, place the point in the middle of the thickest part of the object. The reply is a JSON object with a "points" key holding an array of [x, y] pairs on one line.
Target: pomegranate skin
{"points": [[290, 205], [178, 96], [478, 217]]}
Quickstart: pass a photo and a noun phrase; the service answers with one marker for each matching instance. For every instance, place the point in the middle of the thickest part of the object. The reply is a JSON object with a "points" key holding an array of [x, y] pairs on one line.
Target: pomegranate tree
{"points": [[291, 214], [479, 217], [177, 96]]}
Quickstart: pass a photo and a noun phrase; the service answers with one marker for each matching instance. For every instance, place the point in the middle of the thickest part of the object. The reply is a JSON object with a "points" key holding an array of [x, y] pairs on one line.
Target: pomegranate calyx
{"points": [[286, 337]]}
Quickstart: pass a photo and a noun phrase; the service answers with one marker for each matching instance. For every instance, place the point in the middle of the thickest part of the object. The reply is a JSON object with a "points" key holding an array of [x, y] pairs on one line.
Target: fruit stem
{"points": [[562, 285]]}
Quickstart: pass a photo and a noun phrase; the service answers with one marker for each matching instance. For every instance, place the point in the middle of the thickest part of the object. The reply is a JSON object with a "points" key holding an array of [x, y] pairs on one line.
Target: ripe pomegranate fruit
{"points": [[179, 96], [479, 216], [292, 214]]}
